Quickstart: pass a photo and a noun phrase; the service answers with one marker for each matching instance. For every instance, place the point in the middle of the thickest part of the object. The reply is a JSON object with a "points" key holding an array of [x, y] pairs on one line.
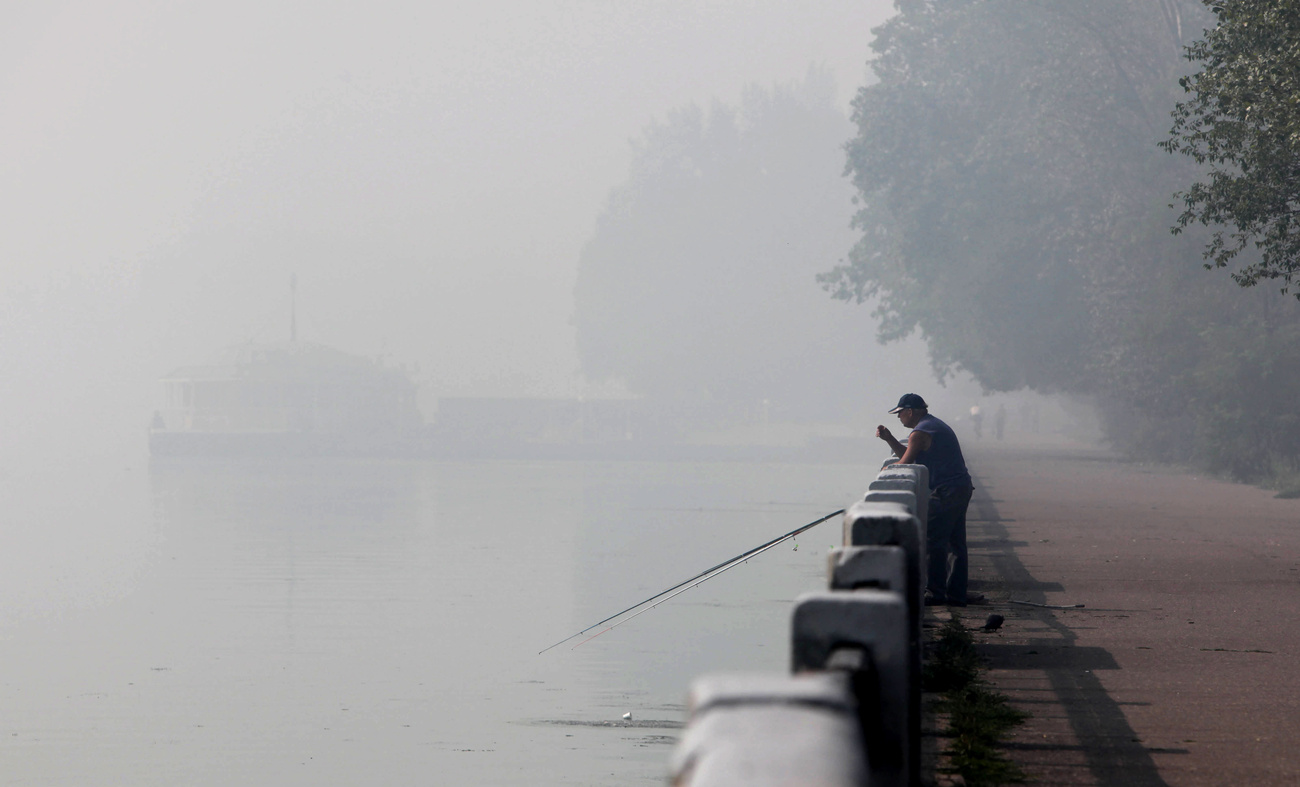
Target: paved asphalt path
{"points": [[1183, 667]]}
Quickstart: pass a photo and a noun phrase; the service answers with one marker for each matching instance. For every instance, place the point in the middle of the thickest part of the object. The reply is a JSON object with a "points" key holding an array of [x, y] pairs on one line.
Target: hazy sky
{"points": [[429, 170]]}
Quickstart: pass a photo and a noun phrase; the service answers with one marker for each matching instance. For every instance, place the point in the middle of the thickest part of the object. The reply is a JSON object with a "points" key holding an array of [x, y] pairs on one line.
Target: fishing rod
{"points": [[701, 581], [702, 576]]}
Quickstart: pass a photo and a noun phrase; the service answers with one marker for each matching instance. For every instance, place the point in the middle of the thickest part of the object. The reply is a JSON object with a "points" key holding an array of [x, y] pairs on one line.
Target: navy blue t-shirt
{"points": [[943, 458]]}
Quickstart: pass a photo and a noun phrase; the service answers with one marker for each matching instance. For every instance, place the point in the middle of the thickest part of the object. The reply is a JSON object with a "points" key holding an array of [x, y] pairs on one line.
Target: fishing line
{"points": [[702, 577], [691, 586]]}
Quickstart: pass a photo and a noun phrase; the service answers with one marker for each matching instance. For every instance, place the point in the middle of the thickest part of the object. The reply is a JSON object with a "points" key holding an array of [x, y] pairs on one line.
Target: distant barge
{"points": [[289, 399], [299, 400]]}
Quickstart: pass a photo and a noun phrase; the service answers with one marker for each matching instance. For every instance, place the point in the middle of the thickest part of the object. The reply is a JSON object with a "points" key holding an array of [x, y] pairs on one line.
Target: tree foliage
{"points": [[1242, 120], [699, 281], [1003, 161], [1013, 208]]}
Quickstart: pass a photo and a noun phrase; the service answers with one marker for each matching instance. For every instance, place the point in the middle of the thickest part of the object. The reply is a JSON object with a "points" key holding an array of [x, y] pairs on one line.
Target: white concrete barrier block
{"points": [[886, 568], [922, 491], [768, 688], [882, 524], [896, 470], [893, 467], [896, 483], [905, 480], [771, 731], [876, 621], [907, 499], [921, 471], [868, 568], [879, 523]]}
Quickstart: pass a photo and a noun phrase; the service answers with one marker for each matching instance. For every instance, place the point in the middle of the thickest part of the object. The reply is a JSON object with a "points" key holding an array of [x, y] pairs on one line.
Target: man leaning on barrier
{"points": [[932, 443]]}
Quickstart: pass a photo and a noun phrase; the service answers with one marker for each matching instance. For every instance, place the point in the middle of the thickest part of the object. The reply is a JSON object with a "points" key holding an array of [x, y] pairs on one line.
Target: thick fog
{"points": [[593, 204], [429, 171]]}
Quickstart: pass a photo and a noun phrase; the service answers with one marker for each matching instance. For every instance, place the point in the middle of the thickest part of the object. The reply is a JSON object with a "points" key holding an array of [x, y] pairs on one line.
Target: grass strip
{"points": [[979, 718]]}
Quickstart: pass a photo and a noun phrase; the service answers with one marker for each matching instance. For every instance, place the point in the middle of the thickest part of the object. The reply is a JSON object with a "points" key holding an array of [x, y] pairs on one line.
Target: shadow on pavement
{"points": [[1110, 748]]}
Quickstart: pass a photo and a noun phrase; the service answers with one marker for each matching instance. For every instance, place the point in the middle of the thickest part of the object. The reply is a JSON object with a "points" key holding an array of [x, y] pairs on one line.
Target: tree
{"points": [[1013, 208], [1243, 121], [699, 281], [1004, 163]]}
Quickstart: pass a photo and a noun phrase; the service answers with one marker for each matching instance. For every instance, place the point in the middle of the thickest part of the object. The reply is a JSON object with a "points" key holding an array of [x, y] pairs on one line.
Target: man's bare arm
{"points": [[917, 444]]}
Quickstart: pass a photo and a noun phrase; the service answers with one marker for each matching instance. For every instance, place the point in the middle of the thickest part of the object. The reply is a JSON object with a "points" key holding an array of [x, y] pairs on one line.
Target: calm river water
{"points": [[350, 623]]}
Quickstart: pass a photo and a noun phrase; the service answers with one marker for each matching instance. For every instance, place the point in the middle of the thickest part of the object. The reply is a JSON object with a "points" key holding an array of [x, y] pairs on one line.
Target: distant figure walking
{"points": [[977, 421], [1000, 421], [933, 443]]}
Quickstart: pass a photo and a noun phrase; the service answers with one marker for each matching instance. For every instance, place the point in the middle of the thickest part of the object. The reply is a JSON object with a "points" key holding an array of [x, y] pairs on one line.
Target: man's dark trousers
{"points": [[946, 535]]}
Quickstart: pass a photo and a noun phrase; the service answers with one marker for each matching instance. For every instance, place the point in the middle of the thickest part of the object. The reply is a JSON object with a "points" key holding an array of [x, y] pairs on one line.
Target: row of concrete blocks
{"points": [[849, 712]]}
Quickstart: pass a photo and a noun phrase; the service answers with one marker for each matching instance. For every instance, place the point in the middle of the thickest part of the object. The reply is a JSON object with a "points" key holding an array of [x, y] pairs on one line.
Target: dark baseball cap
{"points": [[910, 401]]}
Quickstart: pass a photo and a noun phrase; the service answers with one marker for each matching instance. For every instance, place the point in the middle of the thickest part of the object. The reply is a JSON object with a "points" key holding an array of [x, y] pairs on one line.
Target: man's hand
{"points": [[888, 436]]}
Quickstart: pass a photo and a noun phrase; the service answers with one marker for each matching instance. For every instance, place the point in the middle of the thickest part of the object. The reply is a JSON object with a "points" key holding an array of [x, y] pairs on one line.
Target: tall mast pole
{"points": [[293, 307]]}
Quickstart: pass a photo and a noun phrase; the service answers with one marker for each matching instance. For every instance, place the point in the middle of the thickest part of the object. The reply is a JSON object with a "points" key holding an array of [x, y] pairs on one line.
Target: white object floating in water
{"points": [[627, 716]]}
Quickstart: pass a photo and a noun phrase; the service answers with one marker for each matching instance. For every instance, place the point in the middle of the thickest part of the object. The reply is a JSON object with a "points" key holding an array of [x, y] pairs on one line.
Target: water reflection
{"points": [[345, 622]]}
